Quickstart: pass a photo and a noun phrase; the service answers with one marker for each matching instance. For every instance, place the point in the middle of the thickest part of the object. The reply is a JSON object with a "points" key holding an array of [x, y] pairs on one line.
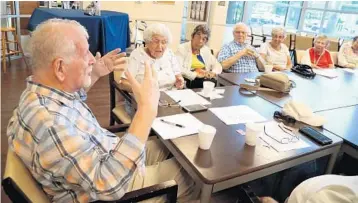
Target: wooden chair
{"points": [[20, 186], [298, 54], [5, 46], [117, 110], [303, 42]]}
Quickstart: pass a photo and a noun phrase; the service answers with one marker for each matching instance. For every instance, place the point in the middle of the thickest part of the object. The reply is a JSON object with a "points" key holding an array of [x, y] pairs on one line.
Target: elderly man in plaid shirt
{"points": [[238, 56], [59, 139]]}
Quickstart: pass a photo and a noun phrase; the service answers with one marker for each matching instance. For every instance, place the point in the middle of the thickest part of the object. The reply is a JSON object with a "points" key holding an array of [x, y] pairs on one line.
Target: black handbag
{"points": [[304, 70]]}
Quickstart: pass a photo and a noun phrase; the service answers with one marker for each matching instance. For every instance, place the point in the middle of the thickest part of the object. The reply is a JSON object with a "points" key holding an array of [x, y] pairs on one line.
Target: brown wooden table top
{"points": [[228, 156], [319, 93], [344, 123]]}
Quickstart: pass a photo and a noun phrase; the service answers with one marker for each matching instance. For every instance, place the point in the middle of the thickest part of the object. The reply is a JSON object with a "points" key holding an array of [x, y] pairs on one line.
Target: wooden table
{"points": [[319, 94], [231, 162]]}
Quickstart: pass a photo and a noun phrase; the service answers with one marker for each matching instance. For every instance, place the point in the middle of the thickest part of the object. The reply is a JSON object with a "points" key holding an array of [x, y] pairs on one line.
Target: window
{"points": [[263, 13], [235, 12], [350, 6], [340, 24], [293, 17], [312, 21], [316, 4]]}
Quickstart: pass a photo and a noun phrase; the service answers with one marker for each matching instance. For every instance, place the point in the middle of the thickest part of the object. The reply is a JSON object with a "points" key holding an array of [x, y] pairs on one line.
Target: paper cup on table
{"points": [[268, 68], [208, 88], [253, 131], [206, 136]]}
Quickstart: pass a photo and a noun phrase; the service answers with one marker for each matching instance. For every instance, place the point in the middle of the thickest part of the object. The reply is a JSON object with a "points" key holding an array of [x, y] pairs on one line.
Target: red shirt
{"points": [[321, 61]]}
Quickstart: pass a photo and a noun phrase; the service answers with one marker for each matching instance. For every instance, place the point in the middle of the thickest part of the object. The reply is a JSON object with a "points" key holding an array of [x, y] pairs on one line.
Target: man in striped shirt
{"points": [[59, 139]]}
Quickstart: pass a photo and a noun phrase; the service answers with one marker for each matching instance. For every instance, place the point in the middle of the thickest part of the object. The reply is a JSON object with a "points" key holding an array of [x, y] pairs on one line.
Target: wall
{"points": [[220, 33], [170, 15]]}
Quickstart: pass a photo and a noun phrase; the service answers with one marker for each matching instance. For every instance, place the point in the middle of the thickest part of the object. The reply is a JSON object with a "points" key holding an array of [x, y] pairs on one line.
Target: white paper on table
{"points": [[167, 131], [219, 91], [329, 73], [276, 133], [187, 97], [212, 96], [237, 114]]}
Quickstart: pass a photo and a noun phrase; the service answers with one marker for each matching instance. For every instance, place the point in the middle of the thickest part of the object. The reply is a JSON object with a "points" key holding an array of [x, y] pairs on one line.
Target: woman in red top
{"points": [[318, 56]]}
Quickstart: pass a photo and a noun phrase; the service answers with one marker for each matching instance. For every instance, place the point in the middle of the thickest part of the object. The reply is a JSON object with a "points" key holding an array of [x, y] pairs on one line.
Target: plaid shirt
{"points": [[244, 64], [60, 141]]}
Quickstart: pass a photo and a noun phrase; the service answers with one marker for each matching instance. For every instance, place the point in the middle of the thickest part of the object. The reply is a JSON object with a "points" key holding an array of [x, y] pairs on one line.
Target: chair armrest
{"points": [[169, 188], [118, 128]]}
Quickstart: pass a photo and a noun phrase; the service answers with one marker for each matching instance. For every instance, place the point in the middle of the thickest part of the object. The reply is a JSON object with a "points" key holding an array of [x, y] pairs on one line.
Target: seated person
{"points": [[318, 56], [348, 54], [238, 56], [59, 139], [197, 62], [157, 37], [323, 189], [276, 52]]}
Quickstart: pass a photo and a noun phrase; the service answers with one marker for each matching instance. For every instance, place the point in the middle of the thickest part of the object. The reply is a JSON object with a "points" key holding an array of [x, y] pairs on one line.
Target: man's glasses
{"points": [[286, 118], [292, 138], [165, 103]]}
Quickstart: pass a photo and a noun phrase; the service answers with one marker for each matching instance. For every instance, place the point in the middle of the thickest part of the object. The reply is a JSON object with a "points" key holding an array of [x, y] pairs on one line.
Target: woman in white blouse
{"points": [[348, 54], [157, 37], [196, 61], [275, 52]]}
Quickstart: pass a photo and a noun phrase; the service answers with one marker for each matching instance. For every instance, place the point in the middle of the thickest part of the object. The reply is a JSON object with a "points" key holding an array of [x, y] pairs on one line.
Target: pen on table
{"points": [[170, 123]]}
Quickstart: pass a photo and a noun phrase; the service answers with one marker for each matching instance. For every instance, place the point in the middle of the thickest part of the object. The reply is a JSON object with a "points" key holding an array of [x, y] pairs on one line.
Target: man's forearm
{"points": [[141, 124], [226, 64], [94, 79]]}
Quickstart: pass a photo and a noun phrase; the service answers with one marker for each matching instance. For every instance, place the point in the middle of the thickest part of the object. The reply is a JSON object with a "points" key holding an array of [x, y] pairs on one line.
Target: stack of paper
{"points": [[215, 94], [329, 73], [187, 97], [189, 125], [237, 114]]}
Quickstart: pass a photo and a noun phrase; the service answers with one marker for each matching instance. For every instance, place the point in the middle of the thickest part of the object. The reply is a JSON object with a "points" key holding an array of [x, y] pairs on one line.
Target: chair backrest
{"points": [[334, 55], [333, 45], [18, 182], [299, 55], [303, 42]]}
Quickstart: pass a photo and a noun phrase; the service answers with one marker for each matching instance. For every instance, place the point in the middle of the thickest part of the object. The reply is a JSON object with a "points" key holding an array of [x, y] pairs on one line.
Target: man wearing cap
{"points": [[238, 56]]}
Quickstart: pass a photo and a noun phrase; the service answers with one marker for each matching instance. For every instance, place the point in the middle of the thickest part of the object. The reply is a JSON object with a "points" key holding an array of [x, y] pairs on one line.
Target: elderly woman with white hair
{"points": [[348, 54], [157, 37], [275, 52], [318, 56]]}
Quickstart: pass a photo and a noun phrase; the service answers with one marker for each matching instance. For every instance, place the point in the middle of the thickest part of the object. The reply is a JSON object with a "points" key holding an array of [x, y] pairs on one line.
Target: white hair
{"points": [[49, 41], [157, 29], [278, 30], [241, 24], [322, 37]]}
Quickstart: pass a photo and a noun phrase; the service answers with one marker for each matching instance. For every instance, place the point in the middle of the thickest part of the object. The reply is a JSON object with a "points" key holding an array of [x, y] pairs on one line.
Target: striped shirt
{"points": [[60, 141], [244, 65]]}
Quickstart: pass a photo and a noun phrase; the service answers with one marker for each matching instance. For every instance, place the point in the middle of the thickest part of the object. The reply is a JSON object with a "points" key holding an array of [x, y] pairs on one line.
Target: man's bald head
{"points": [[55, 38], [240, 32]]}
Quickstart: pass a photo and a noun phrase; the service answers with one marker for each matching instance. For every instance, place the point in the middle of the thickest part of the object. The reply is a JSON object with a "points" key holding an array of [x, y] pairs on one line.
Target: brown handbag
{"points": [[276, 81]]}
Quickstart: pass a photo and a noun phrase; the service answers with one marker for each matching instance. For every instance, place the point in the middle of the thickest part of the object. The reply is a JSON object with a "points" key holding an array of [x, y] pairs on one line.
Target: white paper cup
{"points": [[253, 131], [268, 68], [206, 136], [208, 88]]}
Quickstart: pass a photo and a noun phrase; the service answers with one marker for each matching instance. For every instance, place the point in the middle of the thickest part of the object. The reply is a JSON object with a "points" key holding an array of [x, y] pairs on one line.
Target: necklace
{"points": [[314, 57]]}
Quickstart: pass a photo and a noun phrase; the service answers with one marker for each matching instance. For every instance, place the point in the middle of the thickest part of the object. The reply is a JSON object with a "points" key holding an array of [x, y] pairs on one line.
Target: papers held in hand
{"points": [[170, 128]]}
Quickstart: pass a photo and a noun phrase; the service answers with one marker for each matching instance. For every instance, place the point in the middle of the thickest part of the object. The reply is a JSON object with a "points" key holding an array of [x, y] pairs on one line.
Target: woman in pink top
{"points": [[318, 56]]}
